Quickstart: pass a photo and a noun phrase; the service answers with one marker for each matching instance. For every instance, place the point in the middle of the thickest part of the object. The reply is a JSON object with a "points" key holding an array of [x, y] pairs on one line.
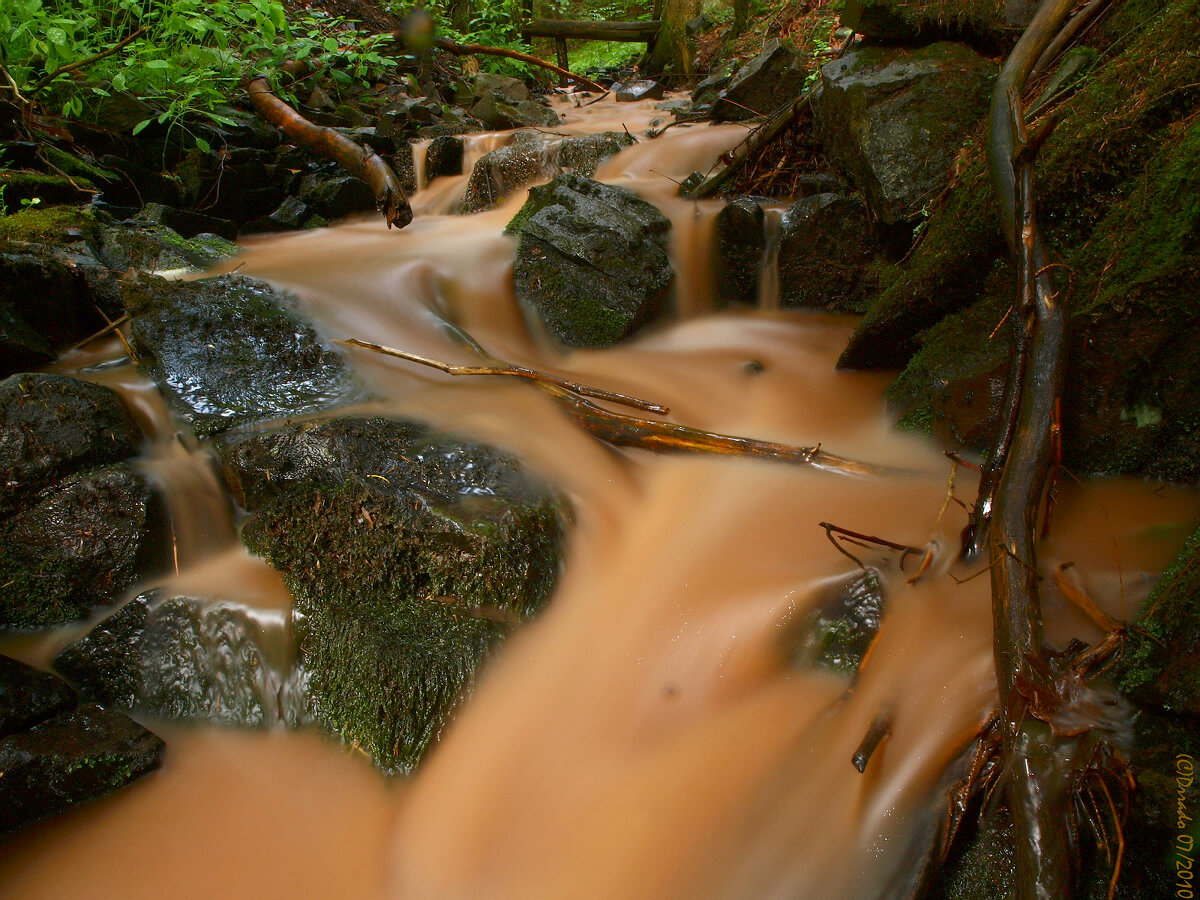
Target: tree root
{"points": [[390, 198]]}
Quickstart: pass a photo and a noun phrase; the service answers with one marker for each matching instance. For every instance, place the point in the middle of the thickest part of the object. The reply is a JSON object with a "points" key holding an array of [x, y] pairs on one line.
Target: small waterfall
{"points": [[768, 275]]}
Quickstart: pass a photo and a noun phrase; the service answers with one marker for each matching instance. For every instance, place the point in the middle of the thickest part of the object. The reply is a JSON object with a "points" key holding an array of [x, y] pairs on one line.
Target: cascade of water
{"points": [[650, 735], [768, 277]]}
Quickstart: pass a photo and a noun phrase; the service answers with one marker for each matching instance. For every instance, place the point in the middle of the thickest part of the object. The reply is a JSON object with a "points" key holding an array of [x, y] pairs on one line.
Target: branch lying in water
{"points": [[631, 431], [390, 198]]}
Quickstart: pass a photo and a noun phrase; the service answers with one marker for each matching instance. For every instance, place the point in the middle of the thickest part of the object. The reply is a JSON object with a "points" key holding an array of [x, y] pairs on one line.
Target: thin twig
{"points": [[112, 326], [83, 63], [879, 729], [103, 331]]}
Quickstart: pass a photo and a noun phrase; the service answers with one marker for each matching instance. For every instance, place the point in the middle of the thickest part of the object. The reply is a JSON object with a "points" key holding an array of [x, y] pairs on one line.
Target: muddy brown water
{"points": [[645, 737]]}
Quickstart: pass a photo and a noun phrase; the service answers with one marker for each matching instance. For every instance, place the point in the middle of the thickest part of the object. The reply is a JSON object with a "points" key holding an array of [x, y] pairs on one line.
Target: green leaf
{"points": [[341, 77], [203, 145], [118, 81], [158, 64], [140, 126], [330, 44]]}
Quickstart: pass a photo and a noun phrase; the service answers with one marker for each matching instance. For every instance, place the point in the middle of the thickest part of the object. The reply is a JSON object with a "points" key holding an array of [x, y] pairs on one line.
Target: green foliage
{"points": [[189, 60], [604, 55]]}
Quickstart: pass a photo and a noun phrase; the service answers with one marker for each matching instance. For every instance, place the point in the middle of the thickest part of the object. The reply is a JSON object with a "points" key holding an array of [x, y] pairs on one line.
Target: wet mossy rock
{"points": [[178, 657], [501, 171], [1161, 662], [152, 247], [838, 631], [227, 351], [825, 252], [52, 426], [893, 120], [592, 260], [82, 545], [28, 696], [740, 244], [409, 557], [583, 155], [70, 760], [499, 112]]}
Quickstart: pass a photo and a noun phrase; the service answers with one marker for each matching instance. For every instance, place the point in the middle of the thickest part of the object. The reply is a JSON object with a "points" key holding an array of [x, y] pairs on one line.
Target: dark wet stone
{"points": [[177, 657], [582, 155], [402, 118], [878, 21], [504, 170], [710, 87], [227, 351], [70, 760], [772, 78], [80, 547], [509, 88], [825, 253], [840, 627], [121, 111], [185, 222], [497, 112], [894, 120], [444, 157], [21, 348], [28, 696], [292, 214], [591, 260], [52, 426], [740, 240], [48, 295], [409, 556], [336, 196], [642, 89], [401, 161]]}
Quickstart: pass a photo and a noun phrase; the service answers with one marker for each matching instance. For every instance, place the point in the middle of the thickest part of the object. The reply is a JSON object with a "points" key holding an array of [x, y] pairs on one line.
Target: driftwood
{"points": [[632, 431], [360, 162]]}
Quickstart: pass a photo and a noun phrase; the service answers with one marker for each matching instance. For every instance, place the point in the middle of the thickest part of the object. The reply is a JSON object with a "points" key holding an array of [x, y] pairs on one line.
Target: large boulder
{"points": [[52, 426], [767, 81], [583, 155], [227, 351], [592, 260], [825, 253], [498, 112], [894, 120], [70, 760], [81, 546], [409, 556]]}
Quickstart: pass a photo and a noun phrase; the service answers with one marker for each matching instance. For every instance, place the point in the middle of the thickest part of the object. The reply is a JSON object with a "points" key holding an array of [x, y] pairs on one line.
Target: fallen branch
{"points": [[368, 165], [631, 431], [758, 137], [879, 729], [473, 49], [1074, 28], [863, 540]]}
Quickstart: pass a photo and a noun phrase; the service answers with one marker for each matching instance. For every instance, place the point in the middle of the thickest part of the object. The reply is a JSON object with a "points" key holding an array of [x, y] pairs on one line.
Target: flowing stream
{"points": [[647, 736]]}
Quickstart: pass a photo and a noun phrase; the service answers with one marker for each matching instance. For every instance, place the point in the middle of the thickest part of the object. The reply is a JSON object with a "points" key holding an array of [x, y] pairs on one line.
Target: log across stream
{"points": [[650, 734]]}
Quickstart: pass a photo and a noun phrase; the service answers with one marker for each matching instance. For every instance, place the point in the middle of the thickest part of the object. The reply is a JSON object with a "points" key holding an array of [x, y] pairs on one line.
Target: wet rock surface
{"points": [[229, 350], [154, 247], [444, 157], [70, 760], [498, 112], [591, 260], [179, 657], [825, 249], [582, 155], [838, 631], [29, 696], [893, 120], [641, 89], [409, 556], [505, 169], [740, 243], [52, 426], [80, 546]]}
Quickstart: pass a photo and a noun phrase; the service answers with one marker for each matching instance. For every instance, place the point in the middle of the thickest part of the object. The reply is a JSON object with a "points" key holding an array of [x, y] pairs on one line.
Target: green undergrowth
{"points": [[45, 225], [604, 55]]}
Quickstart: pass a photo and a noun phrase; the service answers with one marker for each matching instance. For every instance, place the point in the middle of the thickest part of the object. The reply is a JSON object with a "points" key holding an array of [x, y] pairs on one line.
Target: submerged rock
{"points": [[506, 169], [70, 760], [227, 351], [80, 547], [408, 556], [52, 426], [591, 260], [177, 657], [838, 631], [894, 120], [825, 252], [28, 696]]}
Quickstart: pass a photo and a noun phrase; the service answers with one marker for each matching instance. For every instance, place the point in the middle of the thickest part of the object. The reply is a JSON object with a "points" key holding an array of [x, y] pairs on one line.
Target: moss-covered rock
{"points": [[176, 657], [52, 426], [408, 556], [592, 260], [230, 350], [28, 696], [156, 247], [499, 112], [43, 225], [837, 632], [583, 155], [81, 546], [908, 21], [70, 760], [893, 120], [23, 189]]}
